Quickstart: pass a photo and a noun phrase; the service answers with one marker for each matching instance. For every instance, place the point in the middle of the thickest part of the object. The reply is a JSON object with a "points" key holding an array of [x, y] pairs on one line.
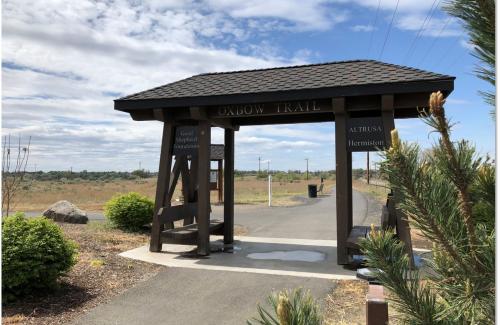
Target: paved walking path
{"points": [[198, 295]]}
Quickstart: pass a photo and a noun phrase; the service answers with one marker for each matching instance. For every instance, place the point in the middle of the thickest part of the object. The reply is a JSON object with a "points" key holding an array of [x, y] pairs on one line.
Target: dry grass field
{"points": [[376, 188], [91, 195]]}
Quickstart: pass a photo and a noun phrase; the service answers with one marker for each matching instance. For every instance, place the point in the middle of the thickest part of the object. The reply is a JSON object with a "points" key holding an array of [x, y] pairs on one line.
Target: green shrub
{"points": [[290, 307], [129, 211], [34, 254]]}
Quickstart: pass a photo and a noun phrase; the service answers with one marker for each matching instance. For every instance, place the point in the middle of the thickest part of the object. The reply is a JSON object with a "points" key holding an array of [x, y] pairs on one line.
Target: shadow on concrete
{"points": [[293, 257]]}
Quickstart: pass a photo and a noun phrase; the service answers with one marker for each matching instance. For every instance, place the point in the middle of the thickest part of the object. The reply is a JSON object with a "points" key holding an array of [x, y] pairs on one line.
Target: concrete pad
{"points": [[276, 256]]}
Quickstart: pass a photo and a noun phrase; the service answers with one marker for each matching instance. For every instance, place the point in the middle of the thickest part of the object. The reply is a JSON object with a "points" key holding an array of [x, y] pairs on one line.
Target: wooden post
{"points": [[388, 116], [228, 186], [343, 172], [162, 184], [368, 167], [377, 309], [219, 180], [203, 187]]}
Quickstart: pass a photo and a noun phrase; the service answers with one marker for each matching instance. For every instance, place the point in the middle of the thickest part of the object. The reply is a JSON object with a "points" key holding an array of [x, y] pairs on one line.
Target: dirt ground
{"points": [[345, 305], [99, 275], [91, 195]]}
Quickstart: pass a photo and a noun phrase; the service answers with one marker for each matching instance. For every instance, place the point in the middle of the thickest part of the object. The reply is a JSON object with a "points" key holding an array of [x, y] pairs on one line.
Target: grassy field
{"points": [[91, 195]]}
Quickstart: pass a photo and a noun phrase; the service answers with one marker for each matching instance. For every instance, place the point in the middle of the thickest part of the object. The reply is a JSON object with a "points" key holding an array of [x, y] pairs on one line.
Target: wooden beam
{"points": [[174, 177], [228, 186], [204, 187], [178, 212], [388, 116], [343, 179], [162, 184], [185, 176], [225, 124], [198, 113]]}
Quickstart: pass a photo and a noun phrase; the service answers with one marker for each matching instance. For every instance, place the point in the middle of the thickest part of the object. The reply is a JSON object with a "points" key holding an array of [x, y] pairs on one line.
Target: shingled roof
{"points": [[216, 151], [343, 75]]}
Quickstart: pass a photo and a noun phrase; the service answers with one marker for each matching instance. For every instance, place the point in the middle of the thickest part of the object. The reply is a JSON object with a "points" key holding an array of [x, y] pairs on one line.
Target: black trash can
{"points": [[312, 190]]}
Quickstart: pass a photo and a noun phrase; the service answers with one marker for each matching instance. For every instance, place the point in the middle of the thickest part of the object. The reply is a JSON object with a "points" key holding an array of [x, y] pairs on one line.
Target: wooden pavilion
{"points": [[362, 97]]}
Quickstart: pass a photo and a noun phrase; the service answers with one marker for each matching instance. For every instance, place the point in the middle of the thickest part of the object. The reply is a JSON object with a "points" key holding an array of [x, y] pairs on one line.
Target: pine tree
{"points": [[448, 194], [478, 18]]}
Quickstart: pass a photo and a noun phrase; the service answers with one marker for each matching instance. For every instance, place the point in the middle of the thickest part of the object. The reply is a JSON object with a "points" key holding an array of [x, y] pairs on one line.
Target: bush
{"points": [[290, 307], [129, 211], [34, 254]]}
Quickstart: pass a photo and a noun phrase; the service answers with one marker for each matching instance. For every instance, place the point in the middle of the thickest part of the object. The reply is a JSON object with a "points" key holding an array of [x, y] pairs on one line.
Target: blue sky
{"points": [[64, 62]]}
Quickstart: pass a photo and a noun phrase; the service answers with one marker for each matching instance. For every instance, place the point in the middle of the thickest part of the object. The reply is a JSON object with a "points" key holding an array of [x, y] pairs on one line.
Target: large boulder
{"points": [[64, 211]]}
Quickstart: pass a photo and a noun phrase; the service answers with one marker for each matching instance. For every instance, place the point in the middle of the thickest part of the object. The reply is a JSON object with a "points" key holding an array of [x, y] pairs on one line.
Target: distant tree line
{"points": [[87, 175], [281, 176]]}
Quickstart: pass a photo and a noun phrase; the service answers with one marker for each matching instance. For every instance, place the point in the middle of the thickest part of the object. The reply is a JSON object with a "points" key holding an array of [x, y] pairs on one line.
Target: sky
{"points": [[64, 62]]}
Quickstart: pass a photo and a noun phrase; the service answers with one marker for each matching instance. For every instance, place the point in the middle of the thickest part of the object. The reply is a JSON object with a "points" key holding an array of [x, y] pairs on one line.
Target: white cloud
{"points": [[64, 63], [362, 28], [304, 15], [435, 27]]}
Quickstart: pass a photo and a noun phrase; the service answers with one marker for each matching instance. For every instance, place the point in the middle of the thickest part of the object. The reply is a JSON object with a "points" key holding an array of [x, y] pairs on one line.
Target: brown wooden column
{"points": [[203, 187], [162, 184], [388, 116], [228, 186], [219, 181], [343, 176]]}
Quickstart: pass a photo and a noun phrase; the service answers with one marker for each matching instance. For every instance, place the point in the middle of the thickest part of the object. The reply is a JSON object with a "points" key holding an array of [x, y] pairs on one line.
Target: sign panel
{"points": [[186, 141], [365, 134], [265, 109]]}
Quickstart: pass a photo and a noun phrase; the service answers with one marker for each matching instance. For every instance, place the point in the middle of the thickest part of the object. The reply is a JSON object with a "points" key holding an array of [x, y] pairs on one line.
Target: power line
{"points": [[373, 28], [417, 36], [434, 41], [388, 30], [445, 53]]}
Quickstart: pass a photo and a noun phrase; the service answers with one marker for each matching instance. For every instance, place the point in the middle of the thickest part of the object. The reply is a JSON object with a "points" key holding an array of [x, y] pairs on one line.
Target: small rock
{"points": [[64, 211]]}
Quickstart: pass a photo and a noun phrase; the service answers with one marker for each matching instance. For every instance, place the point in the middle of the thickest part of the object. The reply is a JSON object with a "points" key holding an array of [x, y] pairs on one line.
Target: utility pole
{"points": [[268, 166], [307, 169], [259, 164], [368, 167]]}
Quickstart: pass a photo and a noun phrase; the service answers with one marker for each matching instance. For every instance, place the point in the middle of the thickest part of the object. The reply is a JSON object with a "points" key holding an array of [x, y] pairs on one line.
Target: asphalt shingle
{"points": [[313, 76]]}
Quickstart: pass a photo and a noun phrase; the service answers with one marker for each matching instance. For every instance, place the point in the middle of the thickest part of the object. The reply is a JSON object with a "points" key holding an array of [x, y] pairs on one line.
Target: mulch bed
{"points": [[99, 275]]}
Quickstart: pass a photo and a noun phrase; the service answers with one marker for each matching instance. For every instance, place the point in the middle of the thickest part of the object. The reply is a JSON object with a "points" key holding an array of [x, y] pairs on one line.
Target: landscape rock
{"points": [[65, 211]]}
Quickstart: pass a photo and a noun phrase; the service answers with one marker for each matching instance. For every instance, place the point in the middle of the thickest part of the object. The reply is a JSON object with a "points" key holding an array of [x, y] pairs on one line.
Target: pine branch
{"points": [[401, 166], [438, 120]]}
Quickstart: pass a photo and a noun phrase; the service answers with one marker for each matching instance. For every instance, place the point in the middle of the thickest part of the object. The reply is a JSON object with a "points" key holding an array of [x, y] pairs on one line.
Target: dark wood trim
{"points": [[343, 186], [388, 116], [162, 184], [204, 187], [228, 186], [198, 113], [444, 85]]}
